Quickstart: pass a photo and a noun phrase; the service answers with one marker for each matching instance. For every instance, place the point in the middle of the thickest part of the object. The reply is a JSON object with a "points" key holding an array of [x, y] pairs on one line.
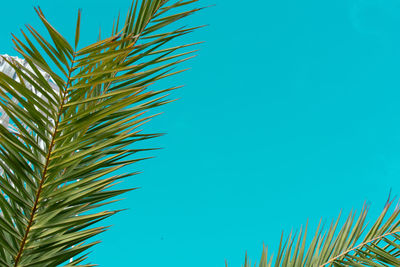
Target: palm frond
{"points": [[353, 244], [72, 117]]}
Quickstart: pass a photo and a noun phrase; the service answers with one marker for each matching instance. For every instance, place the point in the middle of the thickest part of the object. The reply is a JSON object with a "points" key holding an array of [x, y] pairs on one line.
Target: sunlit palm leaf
{"points": [[354, 244], [76, 114]]}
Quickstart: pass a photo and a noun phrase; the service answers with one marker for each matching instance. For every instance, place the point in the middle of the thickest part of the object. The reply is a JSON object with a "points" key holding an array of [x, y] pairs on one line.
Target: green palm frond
{"points": [[74, 115], [354, 244]]}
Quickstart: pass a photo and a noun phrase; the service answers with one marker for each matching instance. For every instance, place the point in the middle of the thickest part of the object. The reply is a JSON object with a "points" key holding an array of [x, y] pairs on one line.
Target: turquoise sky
{"points": [[291, 112]]}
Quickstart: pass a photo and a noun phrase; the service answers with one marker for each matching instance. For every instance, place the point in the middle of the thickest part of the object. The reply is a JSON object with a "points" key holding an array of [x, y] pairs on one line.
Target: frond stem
{"points": [[42, 180], [396, 230], [39, 190], [162, 3]]}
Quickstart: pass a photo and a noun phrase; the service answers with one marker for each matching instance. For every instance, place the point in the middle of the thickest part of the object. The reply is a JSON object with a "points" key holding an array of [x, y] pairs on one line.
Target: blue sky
{"points": [[290, 112]]}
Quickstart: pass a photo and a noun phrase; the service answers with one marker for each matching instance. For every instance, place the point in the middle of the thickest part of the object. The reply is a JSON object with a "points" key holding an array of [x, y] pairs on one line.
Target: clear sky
{"points": [[291, 112]]}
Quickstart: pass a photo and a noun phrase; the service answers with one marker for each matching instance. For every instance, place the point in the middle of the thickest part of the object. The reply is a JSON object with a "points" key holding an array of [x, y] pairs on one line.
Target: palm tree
{"points": [[353, 244], [70, 118]]}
